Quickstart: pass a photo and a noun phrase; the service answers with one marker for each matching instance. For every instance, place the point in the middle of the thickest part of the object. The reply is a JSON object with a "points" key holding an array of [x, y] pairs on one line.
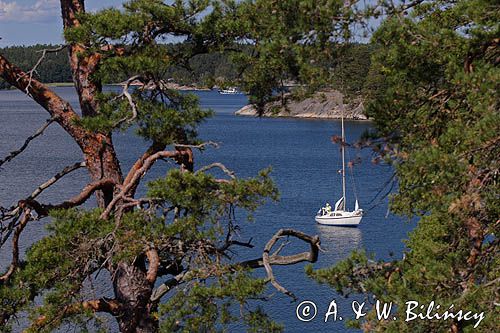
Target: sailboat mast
{"points": [[343, 156]]}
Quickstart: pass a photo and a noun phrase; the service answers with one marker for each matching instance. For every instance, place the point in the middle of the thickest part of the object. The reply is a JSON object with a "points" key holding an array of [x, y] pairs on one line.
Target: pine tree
{"points": [[168, 254], [437, 119]]}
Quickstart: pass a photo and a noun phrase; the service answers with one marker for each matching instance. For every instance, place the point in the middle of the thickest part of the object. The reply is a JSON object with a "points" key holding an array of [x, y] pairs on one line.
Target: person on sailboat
{"points": [[328, 208]]}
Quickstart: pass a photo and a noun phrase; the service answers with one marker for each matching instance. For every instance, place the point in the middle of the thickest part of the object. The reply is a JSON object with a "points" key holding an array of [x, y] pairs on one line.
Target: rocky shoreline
{"points": [[165, 85], [321, 105]]}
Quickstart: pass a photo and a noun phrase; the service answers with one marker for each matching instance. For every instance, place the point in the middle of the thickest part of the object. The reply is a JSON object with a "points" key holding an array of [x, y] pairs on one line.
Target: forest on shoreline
{"points": [[203, 71]]}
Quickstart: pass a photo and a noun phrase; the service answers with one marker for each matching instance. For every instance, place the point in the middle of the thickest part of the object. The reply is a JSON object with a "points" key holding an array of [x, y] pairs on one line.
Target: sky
{"points": [[28, 22]]}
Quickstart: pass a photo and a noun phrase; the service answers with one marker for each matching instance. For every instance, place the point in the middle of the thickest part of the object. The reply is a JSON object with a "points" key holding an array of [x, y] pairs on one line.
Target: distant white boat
{"points": [[229, 91], [339, 216]]}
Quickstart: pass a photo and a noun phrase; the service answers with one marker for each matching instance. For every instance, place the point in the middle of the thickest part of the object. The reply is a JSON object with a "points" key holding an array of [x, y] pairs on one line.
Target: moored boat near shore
{"points": [[229, 91]]}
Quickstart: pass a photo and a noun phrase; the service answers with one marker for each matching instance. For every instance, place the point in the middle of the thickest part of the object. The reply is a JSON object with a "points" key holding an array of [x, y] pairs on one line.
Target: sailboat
{"points": [[229, 91], [340, 216]]}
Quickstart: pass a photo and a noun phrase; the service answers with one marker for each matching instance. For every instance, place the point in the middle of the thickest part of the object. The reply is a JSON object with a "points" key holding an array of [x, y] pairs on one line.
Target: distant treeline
{"points": [[350, 68], [206, 69], [54, 68]]}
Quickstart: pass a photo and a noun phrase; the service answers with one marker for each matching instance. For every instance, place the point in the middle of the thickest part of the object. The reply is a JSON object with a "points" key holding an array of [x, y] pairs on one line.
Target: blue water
{"points": [[304, 163]]}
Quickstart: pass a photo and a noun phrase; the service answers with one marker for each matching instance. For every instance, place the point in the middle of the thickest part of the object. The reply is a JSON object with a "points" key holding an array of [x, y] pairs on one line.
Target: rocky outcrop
{"points": [[165, 85], [323, 104]]}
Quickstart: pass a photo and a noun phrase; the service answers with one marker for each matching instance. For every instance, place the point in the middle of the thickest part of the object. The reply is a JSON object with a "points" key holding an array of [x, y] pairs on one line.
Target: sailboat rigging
{"points": [[340, 216]]}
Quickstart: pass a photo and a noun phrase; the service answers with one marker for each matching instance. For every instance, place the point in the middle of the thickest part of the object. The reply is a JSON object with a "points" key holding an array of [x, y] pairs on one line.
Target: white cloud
{"points": [[20, 11]]}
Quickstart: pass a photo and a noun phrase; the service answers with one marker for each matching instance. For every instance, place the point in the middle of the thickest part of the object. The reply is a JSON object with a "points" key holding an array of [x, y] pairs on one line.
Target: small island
{"points": [[326, 104]]}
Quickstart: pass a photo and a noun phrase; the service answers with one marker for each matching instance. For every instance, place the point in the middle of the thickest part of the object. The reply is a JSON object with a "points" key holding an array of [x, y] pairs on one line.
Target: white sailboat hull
{"points": [[230, 91], [339, 220]]}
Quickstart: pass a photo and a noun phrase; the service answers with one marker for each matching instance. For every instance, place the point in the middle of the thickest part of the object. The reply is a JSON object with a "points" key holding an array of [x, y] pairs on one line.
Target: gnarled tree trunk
{"points": [[132, 289], [99, 153], [97, 148]]}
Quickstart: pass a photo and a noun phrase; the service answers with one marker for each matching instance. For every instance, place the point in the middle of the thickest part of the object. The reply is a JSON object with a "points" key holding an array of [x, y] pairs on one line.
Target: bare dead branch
{"points": [[138, 202], [220, 166], [166, 286], [281, 247], [311, 256], [15, 246], [223, 181], [125, 93], [274, 259], [43, 209], [13, 213], [267, 261], [408, 5], [13, 216], [57, 176], [16, 152], [201, 146], [38, 63], [228, 243]]}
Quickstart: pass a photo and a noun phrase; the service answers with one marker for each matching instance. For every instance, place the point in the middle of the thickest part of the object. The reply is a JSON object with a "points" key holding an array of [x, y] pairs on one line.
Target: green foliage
{"points": [[111, 113], [56, 266], [189, 218], [433, 90], [350, 67], [292, 41], [163, 116], [438, 112], [172, 122], [203, 196], [211, 306]]}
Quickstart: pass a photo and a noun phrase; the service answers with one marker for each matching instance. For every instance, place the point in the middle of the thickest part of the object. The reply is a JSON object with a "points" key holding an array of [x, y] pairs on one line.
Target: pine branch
{"points": [[125, 93]]}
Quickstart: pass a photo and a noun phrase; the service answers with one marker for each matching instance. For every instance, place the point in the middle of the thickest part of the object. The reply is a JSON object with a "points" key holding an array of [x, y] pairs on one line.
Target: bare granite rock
{"points": [[323, 104]]}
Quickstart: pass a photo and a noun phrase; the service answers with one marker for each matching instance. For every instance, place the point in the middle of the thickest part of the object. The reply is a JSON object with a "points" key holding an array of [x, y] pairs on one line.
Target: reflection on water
{"points": [[338, 242]]}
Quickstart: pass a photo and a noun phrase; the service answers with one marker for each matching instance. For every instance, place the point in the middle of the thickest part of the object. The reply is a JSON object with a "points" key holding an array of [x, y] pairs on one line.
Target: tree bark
{"points": [[133, 290], [131, 286], [99, 154], [83, 67]]}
